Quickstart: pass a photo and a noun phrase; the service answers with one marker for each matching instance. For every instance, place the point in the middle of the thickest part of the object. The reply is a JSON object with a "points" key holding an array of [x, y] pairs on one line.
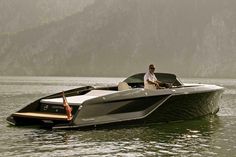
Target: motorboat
{"points": [[127, 103]]}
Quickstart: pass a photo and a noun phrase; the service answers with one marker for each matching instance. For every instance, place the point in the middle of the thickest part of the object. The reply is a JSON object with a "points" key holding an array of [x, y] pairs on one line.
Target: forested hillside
{"points": [[194, 38]]}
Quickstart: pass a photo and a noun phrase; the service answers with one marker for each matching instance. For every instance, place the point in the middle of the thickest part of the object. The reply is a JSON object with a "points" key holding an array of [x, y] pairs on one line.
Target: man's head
{"points": [[151, 68]]}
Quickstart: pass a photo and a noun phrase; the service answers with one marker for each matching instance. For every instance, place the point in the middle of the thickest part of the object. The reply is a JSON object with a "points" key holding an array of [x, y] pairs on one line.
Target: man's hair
{"points": [[151, 66]]}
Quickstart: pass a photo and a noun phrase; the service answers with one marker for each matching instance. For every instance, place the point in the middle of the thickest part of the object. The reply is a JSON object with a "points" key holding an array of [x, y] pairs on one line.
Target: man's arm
{"points": [[155, 83], [158, 81]]}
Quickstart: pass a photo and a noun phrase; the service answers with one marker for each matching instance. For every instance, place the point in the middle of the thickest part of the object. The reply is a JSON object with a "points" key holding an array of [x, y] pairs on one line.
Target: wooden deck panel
{"points": [[38, 115]]}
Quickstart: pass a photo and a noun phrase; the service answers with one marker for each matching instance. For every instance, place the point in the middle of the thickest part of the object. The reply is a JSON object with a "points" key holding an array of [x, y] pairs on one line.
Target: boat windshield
{"points": [[163, 77]]}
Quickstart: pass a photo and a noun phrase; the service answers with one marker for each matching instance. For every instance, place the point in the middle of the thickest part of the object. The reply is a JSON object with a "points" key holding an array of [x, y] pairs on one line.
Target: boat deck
{"points": [[75, 100]]}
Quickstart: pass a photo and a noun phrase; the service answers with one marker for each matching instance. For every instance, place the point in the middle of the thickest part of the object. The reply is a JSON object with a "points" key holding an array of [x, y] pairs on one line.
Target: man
{"points": [[150, 80]]}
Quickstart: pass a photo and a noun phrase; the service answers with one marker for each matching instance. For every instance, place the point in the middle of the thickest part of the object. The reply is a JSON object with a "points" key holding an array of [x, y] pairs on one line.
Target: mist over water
{"points": [[209, 136], [192, 38]]}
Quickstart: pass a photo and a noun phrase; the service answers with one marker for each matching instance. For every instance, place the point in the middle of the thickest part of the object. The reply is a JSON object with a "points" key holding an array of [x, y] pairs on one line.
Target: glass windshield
{"points": [[163, 77]]}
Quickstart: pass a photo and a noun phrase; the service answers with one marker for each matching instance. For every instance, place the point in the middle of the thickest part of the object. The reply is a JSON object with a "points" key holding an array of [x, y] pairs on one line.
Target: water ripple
{"points": [[209, 136]]}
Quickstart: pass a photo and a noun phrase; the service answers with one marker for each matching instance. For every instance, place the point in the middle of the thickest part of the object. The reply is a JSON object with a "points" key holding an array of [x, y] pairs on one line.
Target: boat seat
{"points": [[123, 86], [39, 115], [100, 92], [75, 100]]}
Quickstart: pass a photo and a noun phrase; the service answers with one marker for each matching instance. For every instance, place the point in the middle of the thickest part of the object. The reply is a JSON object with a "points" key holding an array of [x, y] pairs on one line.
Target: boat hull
{"points": [[186, 106], [168, 108]]}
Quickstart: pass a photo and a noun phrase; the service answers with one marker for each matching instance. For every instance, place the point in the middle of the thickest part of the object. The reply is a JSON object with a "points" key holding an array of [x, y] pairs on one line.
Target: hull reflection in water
{"points": [[127, 103]]}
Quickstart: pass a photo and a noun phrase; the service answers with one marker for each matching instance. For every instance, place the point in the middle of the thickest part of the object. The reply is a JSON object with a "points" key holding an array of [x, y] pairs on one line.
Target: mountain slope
{"points": [[116, 38], [20, 15]]}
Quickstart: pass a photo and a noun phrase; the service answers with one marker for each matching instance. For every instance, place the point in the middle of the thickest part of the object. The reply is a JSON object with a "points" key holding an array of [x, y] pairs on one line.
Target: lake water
{"points": [[210, 136]]}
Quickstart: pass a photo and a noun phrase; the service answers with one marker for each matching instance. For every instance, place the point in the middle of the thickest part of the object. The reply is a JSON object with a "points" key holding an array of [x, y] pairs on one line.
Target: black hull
{"points": [[184, 107], [175, 108]]}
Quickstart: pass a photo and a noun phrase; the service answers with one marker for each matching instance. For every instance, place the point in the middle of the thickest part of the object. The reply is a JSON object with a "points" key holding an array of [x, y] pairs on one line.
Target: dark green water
{"points": [[209, 136]]}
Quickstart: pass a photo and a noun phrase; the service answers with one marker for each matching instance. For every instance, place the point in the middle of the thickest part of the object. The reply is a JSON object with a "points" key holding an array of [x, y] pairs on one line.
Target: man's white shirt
{"points": [[150, 77]]}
